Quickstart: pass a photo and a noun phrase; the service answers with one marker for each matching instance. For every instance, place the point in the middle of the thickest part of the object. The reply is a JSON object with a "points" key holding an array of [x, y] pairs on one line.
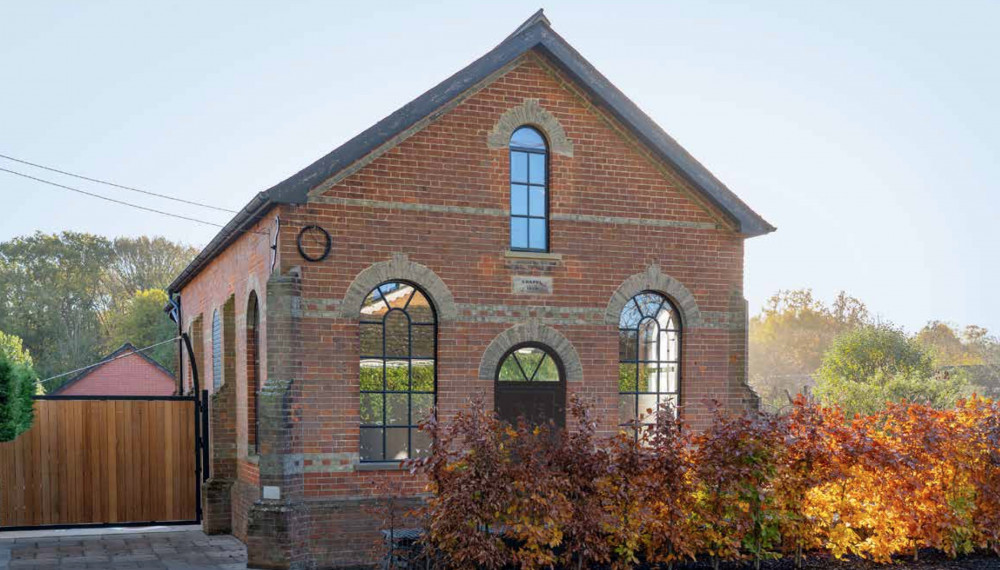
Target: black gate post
{"points": [[199, 425]]}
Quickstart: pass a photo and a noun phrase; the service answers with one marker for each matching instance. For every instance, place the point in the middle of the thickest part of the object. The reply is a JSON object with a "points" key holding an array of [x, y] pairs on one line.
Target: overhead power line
{"points": [[99, 181], [106, 360], [113, 200]]}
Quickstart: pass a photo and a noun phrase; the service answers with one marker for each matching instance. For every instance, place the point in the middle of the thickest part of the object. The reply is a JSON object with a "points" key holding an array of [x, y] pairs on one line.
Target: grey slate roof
{"points": [[535, 33]]}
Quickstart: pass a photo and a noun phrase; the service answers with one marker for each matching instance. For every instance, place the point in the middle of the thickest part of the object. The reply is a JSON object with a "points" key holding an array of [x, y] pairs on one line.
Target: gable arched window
{"points": [[649, 349], [529, 200], [398, 373], [216, 351]]}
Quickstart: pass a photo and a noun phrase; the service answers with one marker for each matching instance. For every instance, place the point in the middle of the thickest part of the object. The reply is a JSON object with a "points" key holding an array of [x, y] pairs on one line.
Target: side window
{"points": [[216, 351], [253, 374], [529, 200], [398, 371], [649, 343]]}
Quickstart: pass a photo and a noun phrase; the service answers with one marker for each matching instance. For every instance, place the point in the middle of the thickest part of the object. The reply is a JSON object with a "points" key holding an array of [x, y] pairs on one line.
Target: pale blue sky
{"points": [[868, 132]]}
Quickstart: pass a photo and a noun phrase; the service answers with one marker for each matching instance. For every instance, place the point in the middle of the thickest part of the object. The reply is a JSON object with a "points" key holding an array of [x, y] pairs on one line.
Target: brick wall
{"points": [[438, 202]]}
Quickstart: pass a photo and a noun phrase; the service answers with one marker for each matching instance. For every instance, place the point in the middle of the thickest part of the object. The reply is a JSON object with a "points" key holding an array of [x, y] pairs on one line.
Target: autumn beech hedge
{"points": [[751, 487]]}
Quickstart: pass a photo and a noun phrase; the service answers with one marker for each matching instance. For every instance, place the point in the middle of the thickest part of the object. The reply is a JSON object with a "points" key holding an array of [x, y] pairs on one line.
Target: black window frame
{"points": [[512, 148], [678, 329], [385, 392]]}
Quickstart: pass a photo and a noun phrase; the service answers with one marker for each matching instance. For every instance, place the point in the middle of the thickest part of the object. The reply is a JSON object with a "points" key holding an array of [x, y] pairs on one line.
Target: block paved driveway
{"points": [[183, 550]]}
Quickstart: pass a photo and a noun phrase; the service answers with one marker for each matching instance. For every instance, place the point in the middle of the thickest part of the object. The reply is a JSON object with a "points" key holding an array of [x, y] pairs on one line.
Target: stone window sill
{"points": [[380, 466], [533, 255], [254, 458]]}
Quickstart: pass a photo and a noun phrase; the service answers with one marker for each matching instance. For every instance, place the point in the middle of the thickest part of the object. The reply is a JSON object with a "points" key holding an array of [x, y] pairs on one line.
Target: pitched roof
{"points": [[535, 33], [128, 347]]}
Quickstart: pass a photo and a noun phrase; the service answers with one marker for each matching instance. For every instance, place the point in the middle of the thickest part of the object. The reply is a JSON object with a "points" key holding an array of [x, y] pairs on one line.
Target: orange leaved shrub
{"points": [[750, 487]]}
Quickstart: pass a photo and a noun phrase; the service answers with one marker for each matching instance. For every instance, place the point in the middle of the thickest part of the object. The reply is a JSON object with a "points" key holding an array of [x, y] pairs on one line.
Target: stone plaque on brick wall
{"points": [[526, 285]]}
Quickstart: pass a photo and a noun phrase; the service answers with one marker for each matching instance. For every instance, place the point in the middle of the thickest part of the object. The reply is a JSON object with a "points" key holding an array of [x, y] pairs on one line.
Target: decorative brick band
{"points": [[531, 331], [533, 114], [399, 267], [653, 279], [503, 213]]}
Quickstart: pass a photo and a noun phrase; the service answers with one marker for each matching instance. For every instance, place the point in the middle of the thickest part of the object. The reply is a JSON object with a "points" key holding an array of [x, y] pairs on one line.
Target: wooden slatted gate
{"points": [[103, 461]]}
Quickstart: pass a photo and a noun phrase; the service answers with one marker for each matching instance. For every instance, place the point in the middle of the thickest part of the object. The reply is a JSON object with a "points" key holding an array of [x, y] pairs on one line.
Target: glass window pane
{"points": [[630, 316], [397, 375], [548, 371], [536, 205], [527, 137], [627, 345], [372, 306], [423, 376], [371, 375], [626, 408], [397, 446], [397, 334], [626, 377], [371, 444], [371, 409], [421, 443], [371, 340], [669, 345], [423, 405], [518, 166], [518, 200], [519, 233], [423, 340], [509, 371], [669, 377], [397, 409], [419, 309], [649, 374], [537, 234], [670, 402], [647, 408], [536, 168]]}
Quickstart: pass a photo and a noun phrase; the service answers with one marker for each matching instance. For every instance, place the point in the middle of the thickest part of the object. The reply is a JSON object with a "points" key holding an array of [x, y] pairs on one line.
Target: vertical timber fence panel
{"points": [[101, 461]]}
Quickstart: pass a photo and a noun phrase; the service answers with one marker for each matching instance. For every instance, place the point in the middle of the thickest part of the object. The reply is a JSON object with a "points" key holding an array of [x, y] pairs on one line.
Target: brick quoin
{"points": [[432, 205]]}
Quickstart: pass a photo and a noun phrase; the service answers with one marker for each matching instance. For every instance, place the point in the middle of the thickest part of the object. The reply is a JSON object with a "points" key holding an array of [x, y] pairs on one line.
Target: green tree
{"points": [[50, 294], [13, 347], [872, 365], [143, 323], [789, 337], [17, 386]]}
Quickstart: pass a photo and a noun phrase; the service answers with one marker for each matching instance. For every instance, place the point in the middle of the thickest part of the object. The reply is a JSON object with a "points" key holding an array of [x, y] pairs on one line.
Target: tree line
{"points": [[71, 298], [842, 355]]}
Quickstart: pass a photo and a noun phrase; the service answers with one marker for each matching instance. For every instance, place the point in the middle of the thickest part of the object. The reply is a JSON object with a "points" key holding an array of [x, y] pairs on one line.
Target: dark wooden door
{"points": [[537, 405], [531, 385]]}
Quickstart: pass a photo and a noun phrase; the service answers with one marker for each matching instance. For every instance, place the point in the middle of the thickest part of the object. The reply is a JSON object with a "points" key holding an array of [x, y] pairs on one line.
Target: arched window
{"points": [[398, 374], [216, 351], [253, 374], [530, 386], [529, 200], [649, 344]]}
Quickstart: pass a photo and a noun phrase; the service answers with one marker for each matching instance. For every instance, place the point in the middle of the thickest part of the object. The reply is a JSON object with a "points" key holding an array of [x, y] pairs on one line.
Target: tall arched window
{"points": [[398, 375], [529, 200], [649, 345], [253, 374], [216, 351]]}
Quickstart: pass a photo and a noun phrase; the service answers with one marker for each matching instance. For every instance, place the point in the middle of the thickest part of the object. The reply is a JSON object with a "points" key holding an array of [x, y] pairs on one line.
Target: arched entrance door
{"points": [[531, 384]]}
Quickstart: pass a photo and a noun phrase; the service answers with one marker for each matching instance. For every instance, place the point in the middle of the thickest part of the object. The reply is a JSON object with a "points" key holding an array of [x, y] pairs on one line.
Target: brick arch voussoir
{"points": [[399, 268], [533, 114], [653, 279], [531, 331]]}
